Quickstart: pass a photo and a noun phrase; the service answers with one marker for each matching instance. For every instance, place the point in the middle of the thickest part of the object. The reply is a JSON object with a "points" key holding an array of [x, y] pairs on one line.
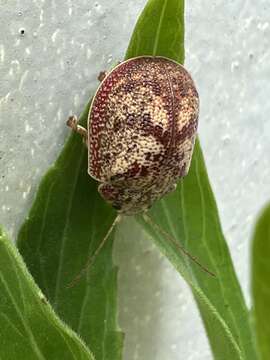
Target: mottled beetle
{"points": [[142, 126], [141, 131]]}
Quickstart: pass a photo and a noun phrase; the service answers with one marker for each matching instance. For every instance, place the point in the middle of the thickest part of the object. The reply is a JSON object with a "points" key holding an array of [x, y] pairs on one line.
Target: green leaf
{"points": [[159, 31], [261, 282], [190, 214], [29, 328], [67, 222]]}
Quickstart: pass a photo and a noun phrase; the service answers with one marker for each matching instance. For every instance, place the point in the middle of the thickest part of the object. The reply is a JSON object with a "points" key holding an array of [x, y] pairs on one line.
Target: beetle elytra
{"points": [[141, 131]]}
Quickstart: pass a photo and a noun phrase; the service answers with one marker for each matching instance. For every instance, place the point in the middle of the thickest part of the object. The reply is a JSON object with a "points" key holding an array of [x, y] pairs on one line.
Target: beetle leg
{"points": [[102, 75], [93, 257], [72, 122]]}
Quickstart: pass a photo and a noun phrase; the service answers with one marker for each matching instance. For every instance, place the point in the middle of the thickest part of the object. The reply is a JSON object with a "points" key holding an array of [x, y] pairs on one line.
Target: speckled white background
{"points": [[49, 72]]}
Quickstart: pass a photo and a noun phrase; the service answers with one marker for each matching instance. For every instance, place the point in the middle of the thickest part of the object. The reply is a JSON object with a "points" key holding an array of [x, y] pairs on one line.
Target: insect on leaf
{"points": [[68, 220]]}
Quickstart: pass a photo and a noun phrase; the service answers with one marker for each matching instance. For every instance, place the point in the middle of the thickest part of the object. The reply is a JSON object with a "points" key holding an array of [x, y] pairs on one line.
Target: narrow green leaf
{"points": [[190, 214], [67, 222], [261, 282], [191, 217], [160, 31], [29, 328]]}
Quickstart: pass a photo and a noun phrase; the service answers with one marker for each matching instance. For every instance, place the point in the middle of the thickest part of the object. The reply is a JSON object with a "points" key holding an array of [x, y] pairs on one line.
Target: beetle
{"points": [[141, 130], [142, 126]]}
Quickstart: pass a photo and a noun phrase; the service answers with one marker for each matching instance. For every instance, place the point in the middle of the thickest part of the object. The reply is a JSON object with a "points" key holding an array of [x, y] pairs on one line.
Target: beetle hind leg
{"points": [[72, 122]]}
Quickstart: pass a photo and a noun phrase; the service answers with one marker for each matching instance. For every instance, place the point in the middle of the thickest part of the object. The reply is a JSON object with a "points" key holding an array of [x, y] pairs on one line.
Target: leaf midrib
{"points": [[159, 27]]}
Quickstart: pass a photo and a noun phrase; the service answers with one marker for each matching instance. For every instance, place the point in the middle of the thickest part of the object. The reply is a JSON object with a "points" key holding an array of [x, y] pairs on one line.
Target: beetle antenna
{"points": [[93, 257], [172, 240]]}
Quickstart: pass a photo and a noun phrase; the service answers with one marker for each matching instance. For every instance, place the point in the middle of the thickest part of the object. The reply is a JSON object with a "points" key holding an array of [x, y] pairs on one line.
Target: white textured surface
{"points": [[50, 71]]}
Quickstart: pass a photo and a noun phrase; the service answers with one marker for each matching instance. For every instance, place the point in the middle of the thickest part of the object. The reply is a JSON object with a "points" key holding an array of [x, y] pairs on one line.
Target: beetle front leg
{"points": [[102, 75], [72, 122]]}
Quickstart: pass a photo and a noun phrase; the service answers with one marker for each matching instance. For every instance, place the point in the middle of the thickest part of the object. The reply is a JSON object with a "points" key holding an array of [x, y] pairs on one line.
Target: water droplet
{"points": [[27, 128], [110, 59], [22, 32], [88, 53], [226, 139], [97, 7], [263, 26]]}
